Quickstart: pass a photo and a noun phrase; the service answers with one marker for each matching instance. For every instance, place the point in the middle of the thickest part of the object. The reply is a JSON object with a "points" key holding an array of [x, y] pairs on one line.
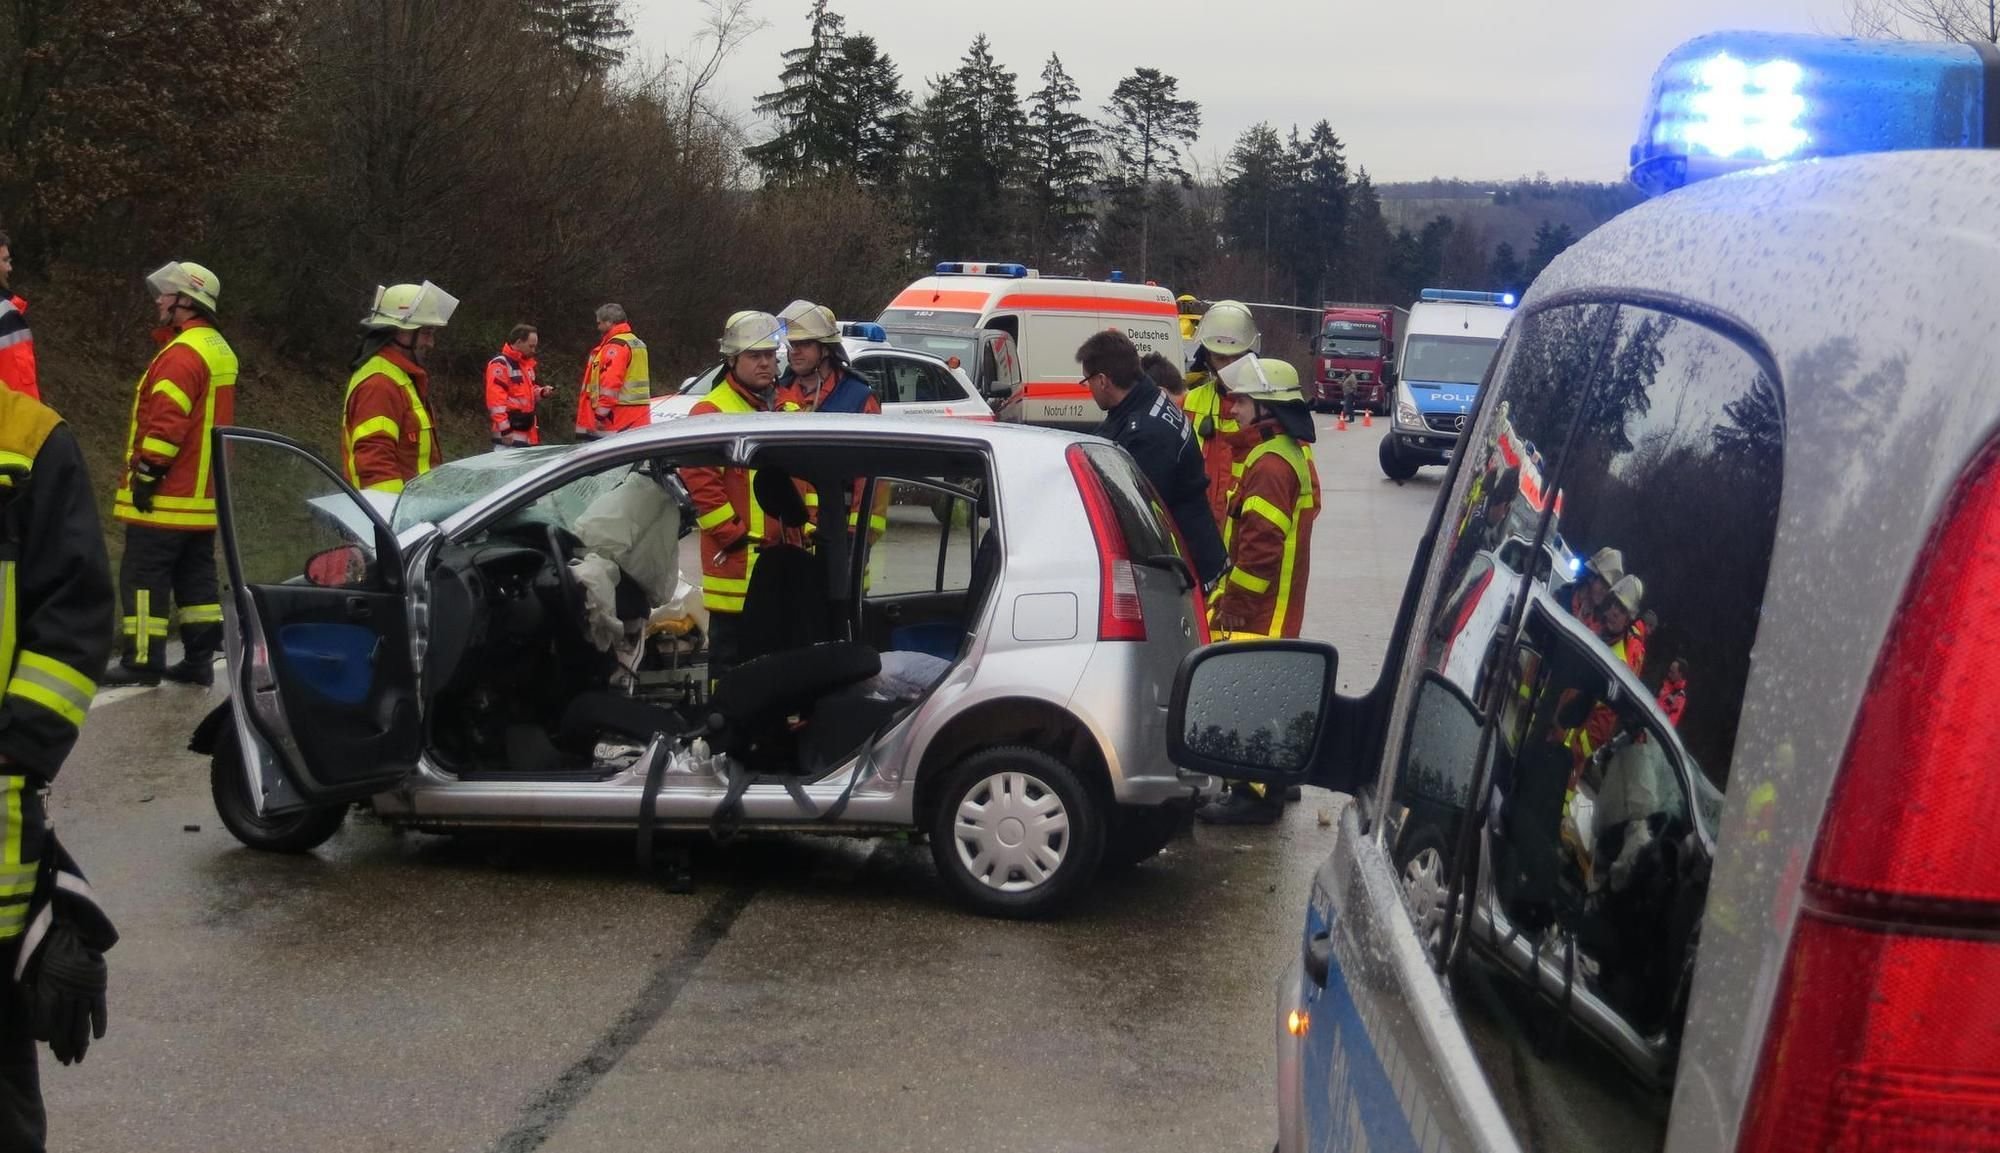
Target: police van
{"points": [[1047, 319], [1448, 342], [1701, 859]]}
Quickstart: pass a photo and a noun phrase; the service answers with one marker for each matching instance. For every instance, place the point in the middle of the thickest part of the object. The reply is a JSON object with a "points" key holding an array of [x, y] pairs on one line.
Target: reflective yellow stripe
{"points": [[142, 631], [717, 603], [173, 392], [10, 850], [13, 922], [171, 503], [6, 615], [201, 614], [375, 426], [129, 512], [53, 685], [385, 486], [16, 460], [19, 888], [158, 447], [1255, 584], [1269, 511], [721, 514], [723, 584], [22, 688], [154, 626]]}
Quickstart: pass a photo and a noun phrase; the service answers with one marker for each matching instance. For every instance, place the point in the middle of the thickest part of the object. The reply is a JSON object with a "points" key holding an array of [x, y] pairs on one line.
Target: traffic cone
{"points": [[1340, 419], [1367, 418]]}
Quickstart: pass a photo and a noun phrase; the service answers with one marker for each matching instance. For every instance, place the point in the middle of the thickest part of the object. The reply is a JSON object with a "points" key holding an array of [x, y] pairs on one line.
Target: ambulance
{"points": [[1048, 318]]}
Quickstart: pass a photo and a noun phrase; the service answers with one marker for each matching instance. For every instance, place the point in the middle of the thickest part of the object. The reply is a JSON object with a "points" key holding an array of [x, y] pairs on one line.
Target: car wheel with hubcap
{"points": [[1015, 833], [299, 832], [1422, 863]]}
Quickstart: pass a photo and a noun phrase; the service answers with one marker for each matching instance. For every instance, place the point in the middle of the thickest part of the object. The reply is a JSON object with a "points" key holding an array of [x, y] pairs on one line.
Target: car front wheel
{"points": [[1393, 465], [1422, 861], [299, 832], [1015, 832]]}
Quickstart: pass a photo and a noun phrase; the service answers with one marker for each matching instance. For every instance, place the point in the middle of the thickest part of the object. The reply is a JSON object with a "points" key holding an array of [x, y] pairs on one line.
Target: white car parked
{"points": [[908, 383]]}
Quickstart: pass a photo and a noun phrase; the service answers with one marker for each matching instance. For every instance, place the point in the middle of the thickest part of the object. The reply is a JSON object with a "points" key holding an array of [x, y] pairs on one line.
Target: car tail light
{"points": [[1119, 614], [1886, 1029]]}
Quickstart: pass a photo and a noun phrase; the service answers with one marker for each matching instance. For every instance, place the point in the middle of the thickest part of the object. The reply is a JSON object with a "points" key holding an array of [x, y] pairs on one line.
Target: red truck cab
{"points": [[1355, 354]]}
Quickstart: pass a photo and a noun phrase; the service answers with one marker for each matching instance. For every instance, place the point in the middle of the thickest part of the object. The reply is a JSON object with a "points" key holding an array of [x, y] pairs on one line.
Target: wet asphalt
{"points": [[400, 991]]}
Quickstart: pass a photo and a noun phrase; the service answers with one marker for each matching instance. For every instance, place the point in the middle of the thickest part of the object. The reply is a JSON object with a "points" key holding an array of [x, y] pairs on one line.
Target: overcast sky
{"points": [[1470, 88]]}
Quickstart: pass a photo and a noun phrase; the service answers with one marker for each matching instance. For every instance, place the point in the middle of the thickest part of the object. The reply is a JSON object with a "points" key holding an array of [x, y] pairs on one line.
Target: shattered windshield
{"points": [[444, 490]]}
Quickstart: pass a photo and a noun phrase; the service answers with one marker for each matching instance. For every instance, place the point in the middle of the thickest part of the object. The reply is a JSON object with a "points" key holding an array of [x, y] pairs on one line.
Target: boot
{"points": [[1243, 807], [121, 675], [191, 671]]}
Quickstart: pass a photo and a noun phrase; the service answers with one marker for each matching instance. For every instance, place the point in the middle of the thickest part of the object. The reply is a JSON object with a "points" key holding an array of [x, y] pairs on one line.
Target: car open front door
{"points": [[322, 664]]}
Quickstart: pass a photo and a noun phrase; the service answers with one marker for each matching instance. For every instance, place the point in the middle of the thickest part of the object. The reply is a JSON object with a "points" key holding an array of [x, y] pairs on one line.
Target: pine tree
{"points": [[1368, 248], [808, 106], [971, 130], [1550, 240], [1059, 148], [1321, 213], [1506, 273], [1259, 190], [588, 33], [1148, 126], [875, 124]]}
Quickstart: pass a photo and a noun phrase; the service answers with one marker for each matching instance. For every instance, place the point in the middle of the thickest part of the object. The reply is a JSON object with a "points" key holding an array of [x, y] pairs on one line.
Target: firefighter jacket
{"points": [[847, 393], [1269, 537], [617, 377], [733, 526], [17, 348], [1221, 439], [187, 391], [387, 435], [510, 397]]}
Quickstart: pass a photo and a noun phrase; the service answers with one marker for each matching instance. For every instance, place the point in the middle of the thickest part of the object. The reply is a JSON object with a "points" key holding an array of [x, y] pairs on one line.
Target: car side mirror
{"points": [[1252, 710], [343, 566]]}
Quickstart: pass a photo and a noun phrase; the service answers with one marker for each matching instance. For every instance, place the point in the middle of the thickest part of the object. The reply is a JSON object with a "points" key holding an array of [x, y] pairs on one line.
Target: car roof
{"points": [[1867, 284]]}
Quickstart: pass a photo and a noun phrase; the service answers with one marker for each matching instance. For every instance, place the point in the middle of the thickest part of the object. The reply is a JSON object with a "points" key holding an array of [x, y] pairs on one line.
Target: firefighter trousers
{"points": [[23, 1124], [164, 567]]}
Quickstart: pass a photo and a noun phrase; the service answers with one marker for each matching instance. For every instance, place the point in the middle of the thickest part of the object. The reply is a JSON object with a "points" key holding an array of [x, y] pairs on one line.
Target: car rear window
{"points": [[1141, 516]]}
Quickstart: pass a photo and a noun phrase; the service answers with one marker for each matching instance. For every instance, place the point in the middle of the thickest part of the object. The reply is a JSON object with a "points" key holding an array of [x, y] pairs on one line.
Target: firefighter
{"points": [[17, 344], [166, 495], [616, 393], [733, 526], [387, 434], [55, 637], [817, 377], [1268, 534], [1190, 310], [511, 391], [1227, 333]]}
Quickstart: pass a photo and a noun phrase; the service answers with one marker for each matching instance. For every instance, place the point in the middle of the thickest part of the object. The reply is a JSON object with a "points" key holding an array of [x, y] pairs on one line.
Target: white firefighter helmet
{"points": [[1263, 379], [1630, 592], [805, 320], [186, 278], [410, 307], [752, 331], [1609, 564], [1227, 329]]}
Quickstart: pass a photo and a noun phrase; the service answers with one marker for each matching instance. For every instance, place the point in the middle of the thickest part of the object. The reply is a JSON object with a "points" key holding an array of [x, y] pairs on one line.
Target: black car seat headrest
{"points": [[779, 497]]}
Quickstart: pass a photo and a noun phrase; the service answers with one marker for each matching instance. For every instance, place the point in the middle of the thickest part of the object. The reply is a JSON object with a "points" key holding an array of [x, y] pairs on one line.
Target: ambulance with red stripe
{"points": [[1048, 318]]}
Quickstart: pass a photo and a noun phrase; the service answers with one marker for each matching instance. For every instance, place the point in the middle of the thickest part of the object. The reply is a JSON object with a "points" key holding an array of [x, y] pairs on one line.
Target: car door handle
{"points": [[1319, 956], [358, 609], [893, 612]]}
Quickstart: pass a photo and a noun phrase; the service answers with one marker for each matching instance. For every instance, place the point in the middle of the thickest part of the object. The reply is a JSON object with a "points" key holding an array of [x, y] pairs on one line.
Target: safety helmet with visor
{"points": [[1608, 564], [1227, 329], [1268, 381], [751, 331], [805, 320], [186, 278], [409, 307]]}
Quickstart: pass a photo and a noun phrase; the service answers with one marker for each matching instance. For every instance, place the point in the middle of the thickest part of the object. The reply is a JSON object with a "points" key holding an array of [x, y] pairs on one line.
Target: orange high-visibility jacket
{"points": [[615, 377], [387, 435], [1269, 537], [510, 397], [17, 348], [726, 510]]}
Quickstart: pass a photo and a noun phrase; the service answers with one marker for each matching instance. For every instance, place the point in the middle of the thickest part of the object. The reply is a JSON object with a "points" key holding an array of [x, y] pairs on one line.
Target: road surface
{"points": [[408, 992]]}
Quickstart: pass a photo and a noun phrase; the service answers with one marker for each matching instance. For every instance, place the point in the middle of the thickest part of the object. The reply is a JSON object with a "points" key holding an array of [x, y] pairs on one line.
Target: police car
{"points": [[1766, 921], [1448, 343]]}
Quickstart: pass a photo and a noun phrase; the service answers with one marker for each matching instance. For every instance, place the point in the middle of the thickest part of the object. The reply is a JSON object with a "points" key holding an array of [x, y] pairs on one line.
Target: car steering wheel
{"points": [[572, 589]]}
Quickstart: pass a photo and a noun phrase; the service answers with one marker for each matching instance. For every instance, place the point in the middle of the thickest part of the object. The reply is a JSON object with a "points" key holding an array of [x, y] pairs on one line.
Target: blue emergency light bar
{"points": [[864, 330], [1734, 100], [981, 268], [1466, 296]]}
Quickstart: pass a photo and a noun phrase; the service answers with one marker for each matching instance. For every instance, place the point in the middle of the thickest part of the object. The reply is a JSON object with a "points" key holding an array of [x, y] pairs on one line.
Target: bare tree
{"points": [[729, 24], [1962, 20]]}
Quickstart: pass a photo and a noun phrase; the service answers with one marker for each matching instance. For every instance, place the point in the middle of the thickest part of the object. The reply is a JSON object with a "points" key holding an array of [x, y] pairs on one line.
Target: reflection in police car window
{"points": [[1257, 708], [1600, 822]]}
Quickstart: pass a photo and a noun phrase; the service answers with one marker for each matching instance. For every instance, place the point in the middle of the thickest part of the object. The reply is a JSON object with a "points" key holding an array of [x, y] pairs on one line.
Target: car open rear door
{"points": [[323, 671]]}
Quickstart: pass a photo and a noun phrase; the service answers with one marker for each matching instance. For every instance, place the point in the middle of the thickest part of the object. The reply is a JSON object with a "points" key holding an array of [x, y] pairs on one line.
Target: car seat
{"points": [[786, 605]]}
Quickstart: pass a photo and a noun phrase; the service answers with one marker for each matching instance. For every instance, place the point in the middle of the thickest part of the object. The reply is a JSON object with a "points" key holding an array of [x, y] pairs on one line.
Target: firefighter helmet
{"points": [[752, 331], [1608, 564], [410, 307], [186, 278], [805, 320], [1268, 380], [1629, 592], [1227, 329]]}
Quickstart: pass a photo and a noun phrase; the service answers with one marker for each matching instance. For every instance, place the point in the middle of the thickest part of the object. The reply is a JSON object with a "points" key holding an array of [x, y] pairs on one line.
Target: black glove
{"points": [[143, 487], [520, 421], [65, 989]]}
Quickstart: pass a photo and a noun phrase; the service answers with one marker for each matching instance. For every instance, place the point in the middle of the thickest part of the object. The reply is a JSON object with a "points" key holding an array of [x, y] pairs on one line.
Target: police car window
{"points": [[875, 371], [920, 383], [1612, 737], [1448, 359]]}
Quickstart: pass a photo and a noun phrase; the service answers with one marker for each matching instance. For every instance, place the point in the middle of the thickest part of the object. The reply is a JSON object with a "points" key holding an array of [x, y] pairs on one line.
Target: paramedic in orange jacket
{"points": [[166, 496], [732, 525], [17, 344], [511, 391], [617, 393], [387, 433]]}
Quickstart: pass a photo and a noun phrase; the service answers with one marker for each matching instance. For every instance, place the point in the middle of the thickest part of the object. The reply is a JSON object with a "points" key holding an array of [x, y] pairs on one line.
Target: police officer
{"points": [[1146, 423], [166, 497], [55, 637]]}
